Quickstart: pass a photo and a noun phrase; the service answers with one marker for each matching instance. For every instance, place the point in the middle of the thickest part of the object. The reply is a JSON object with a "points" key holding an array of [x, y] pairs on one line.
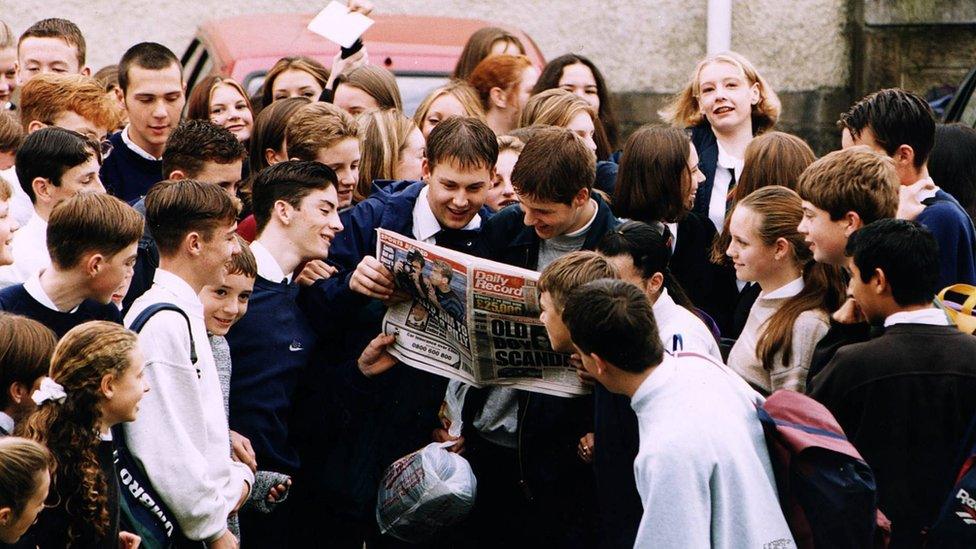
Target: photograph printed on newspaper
{"points": [[470, 319]]}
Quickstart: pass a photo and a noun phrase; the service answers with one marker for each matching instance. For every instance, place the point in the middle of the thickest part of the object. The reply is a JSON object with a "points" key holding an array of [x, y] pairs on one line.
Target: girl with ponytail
{"points": [[797, 294], [96, 382], [641, 254]]}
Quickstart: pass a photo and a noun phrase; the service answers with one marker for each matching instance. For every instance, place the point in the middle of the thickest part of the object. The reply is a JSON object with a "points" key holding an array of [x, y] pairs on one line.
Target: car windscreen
{"points": [[414, 87]]}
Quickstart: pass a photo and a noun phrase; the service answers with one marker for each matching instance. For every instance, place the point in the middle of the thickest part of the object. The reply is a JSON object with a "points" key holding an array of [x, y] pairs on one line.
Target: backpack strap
{"points": [[142, 318]]}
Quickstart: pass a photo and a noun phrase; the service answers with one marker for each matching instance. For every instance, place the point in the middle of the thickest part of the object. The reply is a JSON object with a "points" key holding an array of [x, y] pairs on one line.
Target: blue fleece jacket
{"points": [[269, 348], [953, 231]]}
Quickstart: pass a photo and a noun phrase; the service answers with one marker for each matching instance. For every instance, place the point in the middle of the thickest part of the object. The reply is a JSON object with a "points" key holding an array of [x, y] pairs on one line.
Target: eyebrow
{"points": [[329, 203]]}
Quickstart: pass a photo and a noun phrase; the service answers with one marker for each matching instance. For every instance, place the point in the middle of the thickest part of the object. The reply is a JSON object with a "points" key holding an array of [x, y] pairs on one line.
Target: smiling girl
{"points": [[797, 294], [726, 103], [223, 102], [96, 382]]}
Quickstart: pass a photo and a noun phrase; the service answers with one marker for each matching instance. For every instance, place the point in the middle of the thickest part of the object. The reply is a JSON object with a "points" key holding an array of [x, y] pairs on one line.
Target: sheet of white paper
{"points": [[335, 23]]}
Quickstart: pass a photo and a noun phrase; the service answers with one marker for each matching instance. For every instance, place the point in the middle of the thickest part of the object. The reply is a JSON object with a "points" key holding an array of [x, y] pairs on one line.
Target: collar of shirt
{"points": [[930, 316], [33, 288], [664, 302], [425, 223], [925, 195], [789, 290], [584, 228], [268, 267], [136, 148], [729, 162], [7, 423], [184, 296]]}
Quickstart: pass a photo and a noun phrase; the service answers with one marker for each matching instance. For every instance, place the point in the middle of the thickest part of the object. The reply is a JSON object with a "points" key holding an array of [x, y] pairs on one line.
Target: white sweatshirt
{"points": [[682, 330], [702, 470], [181, 436]]}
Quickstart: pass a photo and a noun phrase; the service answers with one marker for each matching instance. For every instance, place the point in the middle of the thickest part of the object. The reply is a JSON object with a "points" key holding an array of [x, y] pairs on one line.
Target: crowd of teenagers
{"points": [[190, 283]]}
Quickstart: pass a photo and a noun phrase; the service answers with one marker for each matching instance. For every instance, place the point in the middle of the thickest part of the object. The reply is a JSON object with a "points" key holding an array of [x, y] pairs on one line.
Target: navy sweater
{"points": [[127, 175], [953, 231], [269, 347], [15, 299]]}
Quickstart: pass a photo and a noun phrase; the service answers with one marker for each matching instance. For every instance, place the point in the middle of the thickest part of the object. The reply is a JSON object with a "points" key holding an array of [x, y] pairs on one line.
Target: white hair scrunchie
{"points": [[50, 390]]}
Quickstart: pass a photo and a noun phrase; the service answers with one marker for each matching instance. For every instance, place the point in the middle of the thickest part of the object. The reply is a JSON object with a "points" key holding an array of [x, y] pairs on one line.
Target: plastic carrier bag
{"points": [[424, 492]]}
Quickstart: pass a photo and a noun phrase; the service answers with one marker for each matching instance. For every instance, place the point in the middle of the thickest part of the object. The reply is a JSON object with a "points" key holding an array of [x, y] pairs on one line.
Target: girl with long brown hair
{"points": [[392, 148], [797, 294], [225, 103], [96, 382]]}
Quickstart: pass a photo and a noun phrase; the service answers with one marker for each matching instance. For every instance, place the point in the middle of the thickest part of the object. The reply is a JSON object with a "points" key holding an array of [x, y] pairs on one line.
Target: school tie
{"points": [[460, 240], [729, 197]]}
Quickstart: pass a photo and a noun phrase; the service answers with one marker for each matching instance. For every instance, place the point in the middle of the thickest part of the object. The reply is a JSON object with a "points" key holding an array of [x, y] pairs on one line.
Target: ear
{"points": [[425, 169], [193, 243], [107, 386], [177, 175], [119, 95], [93, 264], [34, 126], [86, 71], [754, 95], [601, 365], [782, 248], [282, 211], [582, 197], [6, 516], [18, 392], [42, 189], [498, 97], [270, 156], [904, 156], [853, 223], [653, 285], [879, 282]]}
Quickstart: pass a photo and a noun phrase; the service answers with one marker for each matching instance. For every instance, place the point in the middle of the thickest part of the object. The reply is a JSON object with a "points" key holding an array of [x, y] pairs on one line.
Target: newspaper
{"points": [[470, 319]]}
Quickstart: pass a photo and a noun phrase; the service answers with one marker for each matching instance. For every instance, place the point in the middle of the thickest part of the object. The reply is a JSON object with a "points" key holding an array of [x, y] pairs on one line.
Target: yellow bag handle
{"points": [[962, 289]]}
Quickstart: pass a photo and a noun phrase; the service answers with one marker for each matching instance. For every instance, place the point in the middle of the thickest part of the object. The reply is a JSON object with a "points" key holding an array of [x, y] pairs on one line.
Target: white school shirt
{"points": [[425, 223], [29, 250], [181, 435], [727, 166], [34, 289], [930, 316], [136, 148], [268, 267]]}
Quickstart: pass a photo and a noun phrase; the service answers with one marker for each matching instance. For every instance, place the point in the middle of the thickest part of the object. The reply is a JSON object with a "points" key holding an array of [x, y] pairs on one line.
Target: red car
{"points": [[421, 51]]}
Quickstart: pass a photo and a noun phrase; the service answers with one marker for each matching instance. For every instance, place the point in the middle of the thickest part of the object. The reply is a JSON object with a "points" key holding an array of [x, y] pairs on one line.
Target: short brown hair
{"points": [[464, 139], [174, 209], [11, 133], [554, 166], [195, 142], [243, 262], [653, 178], [856, 179], [26, 347], [46, 96], [58, 28], [317, 126], [572, 270], [91, 222]]}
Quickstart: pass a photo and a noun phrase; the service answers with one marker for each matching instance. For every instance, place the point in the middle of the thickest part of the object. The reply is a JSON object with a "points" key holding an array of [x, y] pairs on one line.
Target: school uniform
{"points": [[184, 410], [953, 230], [21, 207], [349, 426], [29, 251], [30, 300], [905, 400], [526, 442], [129, 172]]}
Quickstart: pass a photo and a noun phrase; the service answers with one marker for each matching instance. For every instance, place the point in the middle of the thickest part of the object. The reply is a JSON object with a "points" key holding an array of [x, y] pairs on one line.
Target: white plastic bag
{"points": [[428, 490]]}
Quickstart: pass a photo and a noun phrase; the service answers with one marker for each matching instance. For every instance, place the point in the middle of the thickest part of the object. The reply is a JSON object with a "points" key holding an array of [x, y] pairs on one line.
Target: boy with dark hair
{"points": [[906, 398], [53, 164], [152, 88], [92, 240], [901, 125], [198, 150], [711, 485], [393, 414], [51, 45], [193, 224], [296, 209], [535, 437]]}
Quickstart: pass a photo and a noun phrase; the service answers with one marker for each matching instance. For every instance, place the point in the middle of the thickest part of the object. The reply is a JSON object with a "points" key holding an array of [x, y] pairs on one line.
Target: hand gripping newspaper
{"points": [[471, 319]]}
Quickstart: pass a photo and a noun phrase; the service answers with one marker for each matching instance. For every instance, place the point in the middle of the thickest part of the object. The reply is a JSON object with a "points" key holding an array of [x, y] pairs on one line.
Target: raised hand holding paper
{"points": [[338, 24]]}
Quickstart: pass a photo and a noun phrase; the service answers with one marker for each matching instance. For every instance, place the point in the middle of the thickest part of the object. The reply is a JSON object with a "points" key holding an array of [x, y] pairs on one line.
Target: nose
{"points": [[336, 224], [98, 187], [528, 219], [802, 227], [231, 307], [460, 200], [730, 251], [159, 110], [590, 143]]}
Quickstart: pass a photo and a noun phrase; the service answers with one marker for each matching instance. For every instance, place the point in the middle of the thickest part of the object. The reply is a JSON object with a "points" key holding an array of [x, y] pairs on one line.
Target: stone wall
{"points": [[646, 48]]}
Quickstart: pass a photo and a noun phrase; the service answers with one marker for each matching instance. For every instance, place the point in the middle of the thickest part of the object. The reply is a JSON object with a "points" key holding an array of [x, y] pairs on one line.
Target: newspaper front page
{"points": [[470, 319]]}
